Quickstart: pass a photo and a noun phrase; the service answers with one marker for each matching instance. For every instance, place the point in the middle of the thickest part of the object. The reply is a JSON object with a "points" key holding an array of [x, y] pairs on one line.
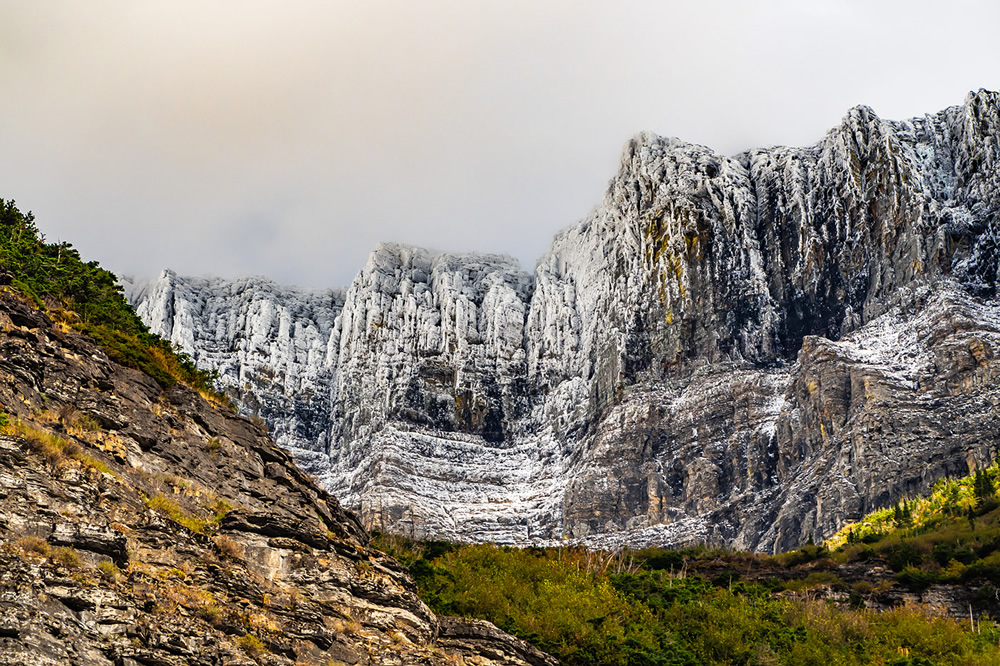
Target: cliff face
{"points": [[143, 526], [740, 349], [268, 343]]}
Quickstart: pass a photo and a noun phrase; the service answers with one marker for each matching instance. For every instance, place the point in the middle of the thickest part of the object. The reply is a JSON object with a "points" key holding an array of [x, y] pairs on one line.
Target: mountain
{"points": [[143, 524], [742, 350]]}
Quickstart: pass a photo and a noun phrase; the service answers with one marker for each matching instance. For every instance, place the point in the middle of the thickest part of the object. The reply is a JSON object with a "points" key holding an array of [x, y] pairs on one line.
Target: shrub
{"points": [[68, 557], [88, 423], [220, 507], [108, 571], [251, 645], [210, 613], [649, 616], [228, 548], [36, 545], [92, 301]]}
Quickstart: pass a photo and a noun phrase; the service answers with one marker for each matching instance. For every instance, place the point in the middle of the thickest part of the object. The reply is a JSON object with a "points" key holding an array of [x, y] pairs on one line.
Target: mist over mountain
{"points": [[741, 350]]}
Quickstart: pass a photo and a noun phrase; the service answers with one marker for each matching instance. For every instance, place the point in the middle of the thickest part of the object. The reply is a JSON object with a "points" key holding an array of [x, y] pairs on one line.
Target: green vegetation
{"points": [[67, 557], [87, 298], [951, 536], [658, 607], [108, 571], [174, 512], [251, 644], [55, 449]]}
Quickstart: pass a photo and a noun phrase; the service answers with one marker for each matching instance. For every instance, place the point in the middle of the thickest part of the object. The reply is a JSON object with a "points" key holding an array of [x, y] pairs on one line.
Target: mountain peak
{"points": [[734, 350]]}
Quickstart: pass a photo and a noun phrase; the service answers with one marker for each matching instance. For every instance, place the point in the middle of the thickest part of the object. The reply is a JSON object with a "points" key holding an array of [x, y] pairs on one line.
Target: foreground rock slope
{"points": [[148, 526], [742, 350]]}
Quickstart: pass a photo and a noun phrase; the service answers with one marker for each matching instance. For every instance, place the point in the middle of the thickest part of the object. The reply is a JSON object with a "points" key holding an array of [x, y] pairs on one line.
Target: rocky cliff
{"points": [[741, 350], [147, 526]]}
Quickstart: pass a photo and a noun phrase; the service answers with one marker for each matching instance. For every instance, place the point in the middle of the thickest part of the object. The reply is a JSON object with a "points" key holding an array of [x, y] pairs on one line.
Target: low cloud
{"points": [[247, 137]]}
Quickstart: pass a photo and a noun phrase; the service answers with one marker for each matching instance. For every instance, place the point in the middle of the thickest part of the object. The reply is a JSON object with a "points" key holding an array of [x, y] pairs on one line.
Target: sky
{"points": [[286, 139]]}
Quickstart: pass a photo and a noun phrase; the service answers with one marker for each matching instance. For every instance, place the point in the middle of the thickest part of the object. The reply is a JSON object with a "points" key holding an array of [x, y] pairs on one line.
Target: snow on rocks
{"points": [[740, 350]]}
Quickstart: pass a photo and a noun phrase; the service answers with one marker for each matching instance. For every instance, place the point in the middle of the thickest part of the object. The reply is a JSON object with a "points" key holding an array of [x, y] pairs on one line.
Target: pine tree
{"points": [[982, 488]]}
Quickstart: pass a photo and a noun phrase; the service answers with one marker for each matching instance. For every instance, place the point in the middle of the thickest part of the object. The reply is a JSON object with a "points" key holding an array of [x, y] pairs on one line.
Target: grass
{"points": [[55, 449], [108, 571], [252, 645], [228, 548], [175, 513], [645, 607], [213, 446], [35, 545], [210, 613], [67, 557]]}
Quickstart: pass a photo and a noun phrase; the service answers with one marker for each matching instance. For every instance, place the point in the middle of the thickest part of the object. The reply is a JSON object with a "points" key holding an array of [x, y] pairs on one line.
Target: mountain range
{"points": [[747, 351]]}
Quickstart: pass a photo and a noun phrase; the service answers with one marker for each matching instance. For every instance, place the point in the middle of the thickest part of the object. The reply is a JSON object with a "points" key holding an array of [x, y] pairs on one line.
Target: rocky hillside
{"points": [[740, 350], [147, 526]]}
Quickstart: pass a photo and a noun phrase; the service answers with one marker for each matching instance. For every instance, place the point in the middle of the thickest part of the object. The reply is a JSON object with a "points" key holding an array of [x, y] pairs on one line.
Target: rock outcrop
{"points": [[147, 526], [741, 350]]}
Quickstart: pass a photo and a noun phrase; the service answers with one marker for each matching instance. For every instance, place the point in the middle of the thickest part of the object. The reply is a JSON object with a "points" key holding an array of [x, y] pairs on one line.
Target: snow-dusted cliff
{"points": [[268, 342], [740, 350]]}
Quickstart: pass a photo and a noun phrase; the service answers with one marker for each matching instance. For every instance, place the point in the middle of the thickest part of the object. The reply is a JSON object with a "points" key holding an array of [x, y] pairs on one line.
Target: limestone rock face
{"points": [[740, 350], [269, 344], [147, 526]]}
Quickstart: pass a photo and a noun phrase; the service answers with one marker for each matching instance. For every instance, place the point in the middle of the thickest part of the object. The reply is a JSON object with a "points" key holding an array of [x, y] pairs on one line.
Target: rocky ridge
{"points": [[147, 526], [740, 350]]}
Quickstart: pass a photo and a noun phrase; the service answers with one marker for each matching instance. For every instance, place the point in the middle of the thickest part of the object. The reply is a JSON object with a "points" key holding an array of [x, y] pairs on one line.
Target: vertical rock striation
{"points": [[742, 350], [269, 344]]}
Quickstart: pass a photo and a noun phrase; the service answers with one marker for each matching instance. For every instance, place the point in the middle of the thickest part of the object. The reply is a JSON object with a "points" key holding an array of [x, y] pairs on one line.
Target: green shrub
{"points": [[88, 298], [68, 557], [108, 571], [556, 599], [251, 644]]}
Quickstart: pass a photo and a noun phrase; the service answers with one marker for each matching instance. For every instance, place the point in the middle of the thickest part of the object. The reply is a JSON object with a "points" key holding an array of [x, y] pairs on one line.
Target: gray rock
{"points": [[206, 545], [741, 350]]}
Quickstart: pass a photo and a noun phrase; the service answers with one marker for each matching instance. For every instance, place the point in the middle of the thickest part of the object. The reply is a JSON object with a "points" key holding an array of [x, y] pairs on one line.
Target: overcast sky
{"points": [[232, 137]]}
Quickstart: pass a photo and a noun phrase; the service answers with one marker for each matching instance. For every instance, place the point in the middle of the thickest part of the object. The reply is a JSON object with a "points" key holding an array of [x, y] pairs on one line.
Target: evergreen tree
{"points": [[87, 297], [982, 487]]}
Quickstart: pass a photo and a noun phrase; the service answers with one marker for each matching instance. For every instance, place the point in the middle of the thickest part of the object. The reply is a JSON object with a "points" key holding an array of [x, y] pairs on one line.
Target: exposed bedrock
{"points": [[740, 350]]}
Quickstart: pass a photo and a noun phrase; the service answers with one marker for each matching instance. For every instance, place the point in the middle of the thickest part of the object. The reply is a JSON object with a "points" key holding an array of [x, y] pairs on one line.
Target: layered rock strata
{"points": [[148, 526], [742, 350]]}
